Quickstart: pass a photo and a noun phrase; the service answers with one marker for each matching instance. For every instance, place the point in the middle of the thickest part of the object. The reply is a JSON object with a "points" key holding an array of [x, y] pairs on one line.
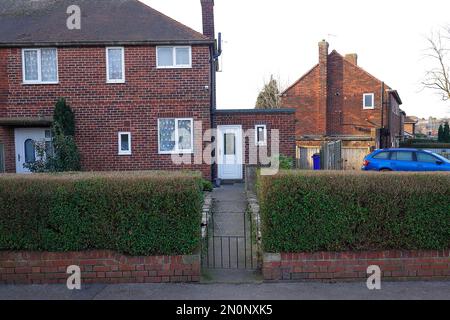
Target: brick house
{"points": [[338, 100], [141, 84], [410, 127]]}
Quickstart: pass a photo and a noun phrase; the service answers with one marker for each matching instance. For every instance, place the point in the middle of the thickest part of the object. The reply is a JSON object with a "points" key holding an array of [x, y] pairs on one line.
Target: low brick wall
{"points": [[96, 267], [394, 265]]}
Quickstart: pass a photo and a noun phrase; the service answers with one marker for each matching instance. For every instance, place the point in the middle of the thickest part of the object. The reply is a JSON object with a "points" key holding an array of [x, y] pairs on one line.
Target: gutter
{"points": [[32, 44]]}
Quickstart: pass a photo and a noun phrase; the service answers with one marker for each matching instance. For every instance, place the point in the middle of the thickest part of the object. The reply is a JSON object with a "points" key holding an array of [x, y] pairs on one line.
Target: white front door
{"points": [[230, 152], [26, 139]]}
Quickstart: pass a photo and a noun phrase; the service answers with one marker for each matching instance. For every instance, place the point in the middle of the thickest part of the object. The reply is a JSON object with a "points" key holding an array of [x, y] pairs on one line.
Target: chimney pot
{"points": [[352, 58]]}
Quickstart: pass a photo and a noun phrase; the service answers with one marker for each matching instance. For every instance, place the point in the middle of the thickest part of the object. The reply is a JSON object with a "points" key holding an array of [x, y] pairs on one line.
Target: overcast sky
{"points": [[279, 37]]}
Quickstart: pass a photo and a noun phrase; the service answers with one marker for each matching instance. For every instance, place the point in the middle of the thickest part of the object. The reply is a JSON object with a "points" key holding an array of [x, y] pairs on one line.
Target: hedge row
{"points": [[140, 213], [338, 211]]}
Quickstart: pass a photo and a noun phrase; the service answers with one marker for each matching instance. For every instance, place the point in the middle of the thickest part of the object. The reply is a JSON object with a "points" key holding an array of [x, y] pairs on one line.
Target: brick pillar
{"points": [[208, 18], [323, 87]]}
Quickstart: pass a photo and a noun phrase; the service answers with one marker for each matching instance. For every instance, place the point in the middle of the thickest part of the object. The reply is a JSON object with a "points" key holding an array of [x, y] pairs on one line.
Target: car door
{"points": [[427, 162], [403, 161]]}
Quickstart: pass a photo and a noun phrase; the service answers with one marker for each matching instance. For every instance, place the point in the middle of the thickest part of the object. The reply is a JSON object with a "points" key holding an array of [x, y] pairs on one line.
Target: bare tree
{"points": [[438, 78], [269, 97]]}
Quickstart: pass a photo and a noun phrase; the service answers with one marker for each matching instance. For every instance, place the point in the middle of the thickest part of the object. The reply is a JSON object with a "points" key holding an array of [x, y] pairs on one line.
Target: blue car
{"points": [[405, 160]]}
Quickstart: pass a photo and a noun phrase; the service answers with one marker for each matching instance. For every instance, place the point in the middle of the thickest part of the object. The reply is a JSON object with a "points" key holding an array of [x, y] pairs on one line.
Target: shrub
{"points": [[207, 185], [340, 211], [139, 213], [285, 162], [65, 156]]}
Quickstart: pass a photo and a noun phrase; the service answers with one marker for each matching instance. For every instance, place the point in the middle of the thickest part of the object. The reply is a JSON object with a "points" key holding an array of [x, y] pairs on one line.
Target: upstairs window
{"points": [[369, 101], [261, 135], [174, 57], [40, 66], [115, 65], [175, 136], [124, 143]]}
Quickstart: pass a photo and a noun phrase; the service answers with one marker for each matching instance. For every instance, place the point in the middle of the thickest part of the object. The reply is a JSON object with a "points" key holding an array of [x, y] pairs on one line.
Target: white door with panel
{"points": [[26, 140], [230, 151]]}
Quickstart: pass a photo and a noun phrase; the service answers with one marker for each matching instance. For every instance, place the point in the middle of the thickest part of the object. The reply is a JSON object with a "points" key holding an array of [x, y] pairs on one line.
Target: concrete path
{"points": [[267, 291], [230, 251]]}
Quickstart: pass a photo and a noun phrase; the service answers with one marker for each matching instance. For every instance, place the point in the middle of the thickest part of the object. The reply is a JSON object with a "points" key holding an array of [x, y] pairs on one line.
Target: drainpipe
{"points": [[215, 54], [382, 115]]}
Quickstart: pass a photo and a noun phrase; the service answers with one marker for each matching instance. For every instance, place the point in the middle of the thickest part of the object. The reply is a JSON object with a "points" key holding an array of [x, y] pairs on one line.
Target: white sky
{"points": [[279, 37]]}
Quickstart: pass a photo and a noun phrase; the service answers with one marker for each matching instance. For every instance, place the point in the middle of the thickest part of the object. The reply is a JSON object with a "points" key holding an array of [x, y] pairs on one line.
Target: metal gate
{"points": [[230, 251]]}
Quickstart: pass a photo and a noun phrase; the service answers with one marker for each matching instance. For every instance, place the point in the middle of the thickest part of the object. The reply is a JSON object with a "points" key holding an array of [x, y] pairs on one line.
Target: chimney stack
{"points": [[323, 85], [208, 18], [352, 58]]}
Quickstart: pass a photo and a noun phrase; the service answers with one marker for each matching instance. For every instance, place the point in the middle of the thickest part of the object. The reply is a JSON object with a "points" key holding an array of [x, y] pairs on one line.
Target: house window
{"points": [[260, 135], [369, 101], [115, 65], [124, 143], [175, 136], [174, 57], [40, 66]]}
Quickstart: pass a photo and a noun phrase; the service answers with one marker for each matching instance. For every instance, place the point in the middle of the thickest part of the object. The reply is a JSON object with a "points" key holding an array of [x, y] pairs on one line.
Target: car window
{"points": [[424, 157], [402, 156], [382, 156]]}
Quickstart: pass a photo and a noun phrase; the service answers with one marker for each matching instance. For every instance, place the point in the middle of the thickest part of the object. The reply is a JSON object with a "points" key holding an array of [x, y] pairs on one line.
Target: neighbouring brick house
{"points": [[410, 127], [141, 84], [338, 100]]}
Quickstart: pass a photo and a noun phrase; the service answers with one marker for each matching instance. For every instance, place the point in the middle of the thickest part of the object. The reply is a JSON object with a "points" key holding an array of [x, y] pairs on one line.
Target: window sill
{"points": [[175, 152], [39, 83], [175, 67], [116, 82], [124, 154]]}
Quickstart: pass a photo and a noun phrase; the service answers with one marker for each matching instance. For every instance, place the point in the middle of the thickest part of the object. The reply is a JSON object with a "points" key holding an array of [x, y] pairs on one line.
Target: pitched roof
{"points": [[333, 53], [39, 22], [410, 120]]}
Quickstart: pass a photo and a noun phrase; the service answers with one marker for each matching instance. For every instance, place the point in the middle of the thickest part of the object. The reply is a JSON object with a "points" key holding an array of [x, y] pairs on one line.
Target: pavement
{"points": [[438, 290], [229, 237]]}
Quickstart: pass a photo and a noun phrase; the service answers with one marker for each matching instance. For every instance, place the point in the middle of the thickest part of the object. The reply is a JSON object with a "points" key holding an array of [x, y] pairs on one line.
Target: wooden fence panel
{"points": [[304, 157], [353, 157]]}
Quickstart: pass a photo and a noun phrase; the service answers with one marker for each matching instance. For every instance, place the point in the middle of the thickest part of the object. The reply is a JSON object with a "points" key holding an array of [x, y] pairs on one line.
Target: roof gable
{"points": [[25, 22], [331, 55]]}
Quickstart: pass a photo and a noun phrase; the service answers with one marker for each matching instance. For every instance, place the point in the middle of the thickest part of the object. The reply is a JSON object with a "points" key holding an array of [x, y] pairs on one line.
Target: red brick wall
{"points": [[399, 265], [3, 82], [102, 110], [283, 121], [96, 267], [7, 139], [304, 97], [345, 87]]}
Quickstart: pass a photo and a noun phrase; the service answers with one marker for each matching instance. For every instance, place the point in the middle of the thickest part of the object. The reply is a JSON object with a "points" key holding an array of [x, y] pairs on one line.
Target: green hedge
{"points": [[424, 144], [140, 213], [338, 211]]}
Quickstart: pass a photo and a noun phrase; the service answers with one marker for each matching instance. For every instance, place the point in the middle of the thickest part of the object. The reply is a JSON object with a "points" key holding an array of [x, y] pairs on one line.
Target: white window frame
{"points": [[122, 152], [260, 143], [373, 101], [39, 62], [108, 80], [176, 150], [174, 55]]}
